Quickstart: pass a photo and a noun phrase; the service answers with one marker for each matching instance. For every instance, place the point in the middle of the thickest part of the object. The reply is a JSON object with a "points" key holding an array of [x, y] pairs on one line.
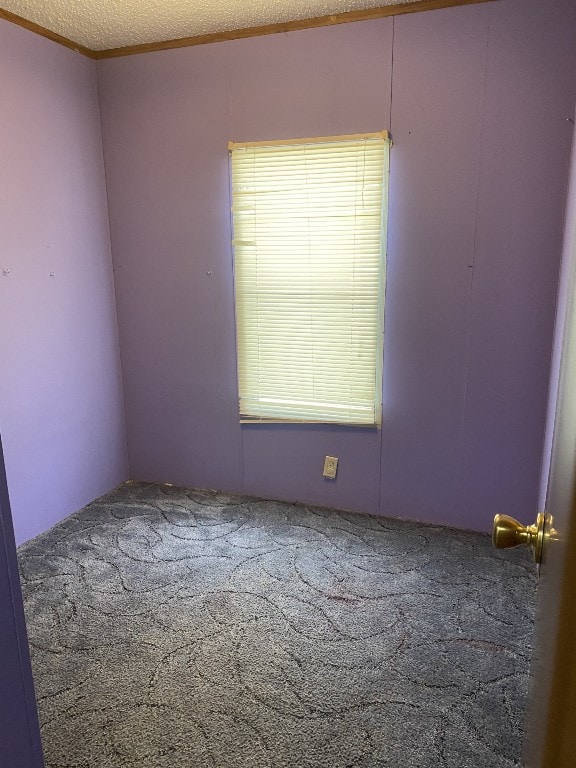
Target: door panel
{"points": [[551, 726], [19, 730]]}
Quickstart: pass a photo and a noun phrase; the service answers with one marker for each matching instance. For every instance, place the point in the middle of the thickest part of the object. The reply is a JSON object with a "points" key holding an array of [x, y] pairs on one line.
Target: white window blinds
{"points": [[309, 231]]}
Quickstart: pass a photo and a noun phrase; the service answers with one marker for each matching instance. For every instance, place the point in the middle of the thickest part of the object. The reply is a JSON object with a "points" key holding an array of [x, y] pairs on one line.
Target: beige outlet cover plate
{"points": [[330, 467]]}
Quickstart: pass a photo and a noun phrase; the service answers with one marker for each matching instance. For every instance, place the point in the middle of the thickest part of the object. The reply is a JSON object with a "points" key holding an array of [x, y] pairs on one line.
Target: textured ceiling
{"points": [[101, 24]]}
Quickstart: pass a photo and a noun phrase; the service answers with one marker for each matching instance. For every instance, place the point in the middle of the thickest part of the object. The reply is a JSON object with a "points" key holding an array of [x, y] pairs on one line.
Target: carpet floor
{"points": [[174, 628]]}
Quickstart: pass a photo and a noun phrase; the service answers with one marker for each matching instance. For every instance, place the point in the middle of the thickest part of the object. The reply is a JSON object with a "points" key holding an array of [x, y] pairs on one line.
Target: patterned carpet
{"points": [[189, 629]]}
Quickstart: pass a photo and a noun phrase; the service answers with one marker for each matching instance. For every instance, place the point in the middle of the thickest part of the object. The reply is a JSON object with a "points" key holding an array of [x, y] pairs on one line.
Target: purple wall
{"points": [[527, 136], [61, 412], [477, 100]]}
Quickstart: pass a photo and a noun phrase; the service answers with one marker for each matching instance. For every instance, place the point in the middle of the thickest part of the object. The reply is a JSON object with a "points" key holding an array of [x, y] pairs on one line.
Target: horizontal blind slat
{"points": [[308, 233]]}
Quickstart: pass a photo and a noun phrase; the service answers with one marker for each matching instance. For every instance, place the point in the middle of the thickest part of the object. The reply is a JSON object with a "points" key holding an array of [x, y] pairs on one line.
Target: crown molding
{"points": [[43, 32], [289, 26], [415, 6]]}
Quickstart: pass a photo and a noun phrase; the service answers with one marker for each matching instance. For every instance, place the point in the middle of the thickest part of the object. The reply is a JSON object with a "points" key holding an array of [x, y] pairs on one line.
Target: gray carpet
{"points": [[188, 629]]}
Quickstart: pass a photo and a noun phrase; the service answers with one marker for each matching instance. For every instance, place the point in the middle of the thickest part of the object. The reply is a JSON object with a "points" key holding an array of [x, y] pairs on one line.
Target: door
{"points": [[19, 730], [550, 740]]}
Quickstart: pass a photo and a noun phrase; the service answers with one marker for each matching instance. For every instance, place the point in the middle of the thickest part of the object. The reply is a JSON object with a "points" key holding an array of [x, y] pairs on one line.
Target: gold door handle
{"points": [[508, 532]]}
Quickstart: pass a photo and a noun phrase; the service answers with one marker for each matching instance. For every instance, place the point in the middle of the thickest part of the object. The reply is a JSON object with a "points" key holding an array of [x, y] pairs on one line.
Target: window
{"points": [[309, 232]]}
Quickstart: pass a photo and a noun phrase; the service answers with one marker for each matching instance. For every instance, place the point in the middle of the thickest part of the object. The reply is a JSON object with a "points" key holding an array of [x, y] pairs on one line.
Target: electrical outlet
{"points": [[330, 467]]}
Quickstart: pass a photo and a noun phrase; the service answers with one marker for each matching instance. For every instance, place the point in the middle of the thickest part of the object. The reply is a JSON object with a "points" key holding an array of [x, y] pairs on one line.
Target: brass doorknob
{"points": [[508, 532]]}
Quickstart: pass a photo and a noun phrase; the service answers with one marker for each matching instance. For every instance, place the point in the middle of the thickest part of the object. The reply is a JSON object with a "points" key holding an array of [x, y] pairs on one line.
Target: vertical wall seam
{"points": [[472, 265], [392, 72], [231, 252], [382, 419], [114, 286]]}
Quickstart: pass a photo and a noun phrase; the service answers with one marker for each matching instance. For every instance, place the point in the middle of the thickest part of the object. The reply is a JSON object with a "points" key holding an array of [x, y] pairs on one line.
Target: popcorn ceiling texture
{"points": [[101, 24]]}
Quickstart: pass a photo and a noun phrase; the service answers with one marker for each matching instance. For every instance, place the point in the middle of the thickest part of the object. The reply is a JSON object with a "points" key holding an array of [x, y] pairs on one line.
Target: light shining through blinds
{"points": [[309, 232]]}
